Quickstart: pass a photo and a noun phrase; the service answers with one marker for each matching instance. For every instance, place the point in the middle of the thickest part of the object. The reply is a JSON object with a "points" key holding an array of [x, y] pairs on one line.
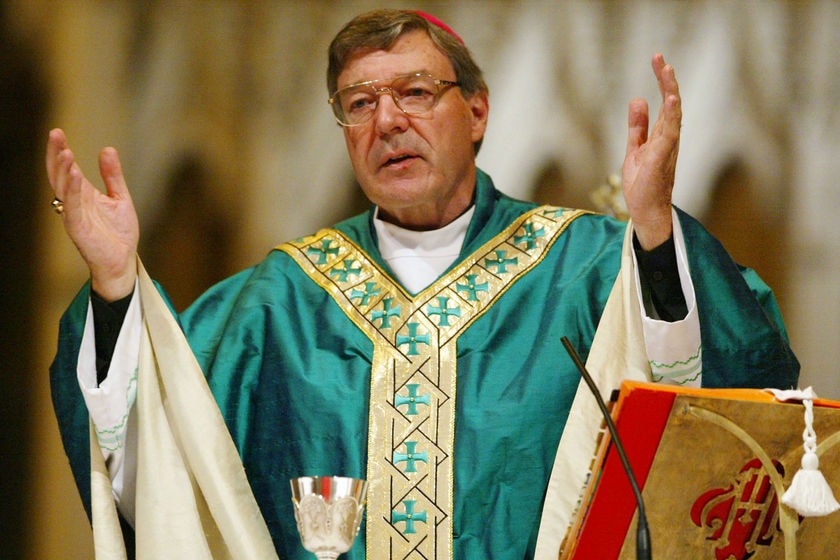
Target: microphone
{"points": [[642, 532]]}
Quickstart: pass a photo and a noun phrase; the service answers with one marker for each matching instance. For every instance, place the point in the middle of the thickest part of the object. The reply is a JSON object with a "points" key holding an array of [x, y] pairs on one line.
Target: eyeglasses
{"points": [[414, 94]]}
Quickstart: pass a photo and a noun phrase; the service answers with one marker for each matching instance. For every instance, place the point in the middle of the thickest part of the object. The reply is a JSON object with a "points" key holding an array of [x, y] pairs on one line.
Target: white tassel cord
{"points": [[809, 493]]}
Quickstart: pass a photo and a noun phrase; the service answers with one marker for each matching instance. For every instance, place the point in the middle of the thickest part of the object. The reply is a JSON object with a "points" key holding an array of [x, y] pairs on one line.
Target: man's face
{"points": [[419, 169]]}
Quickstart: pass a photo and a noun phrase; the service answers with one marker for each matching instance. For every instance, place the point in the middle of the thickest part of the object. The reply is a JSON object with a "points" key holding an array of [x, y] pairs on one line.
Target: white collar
{"points": [[418, 258]]}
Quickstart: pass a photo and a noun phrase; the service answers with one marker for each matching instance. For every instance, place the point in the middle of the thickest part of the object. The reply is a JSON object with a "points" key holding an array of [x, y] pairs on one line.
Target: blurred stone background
{"points": [[219, 111]]}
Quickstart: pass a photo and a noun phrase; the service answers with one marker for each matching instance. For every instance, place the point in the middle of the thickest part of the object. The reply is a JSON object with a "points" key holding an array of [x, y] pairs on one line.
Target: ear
{"points": [[479, 109]]}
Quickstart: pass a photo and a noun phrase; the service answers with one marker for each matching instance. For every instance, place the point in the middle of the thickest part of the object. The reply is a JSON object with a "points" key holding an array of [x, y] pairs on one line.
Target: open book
{"points": [[713, 464]]}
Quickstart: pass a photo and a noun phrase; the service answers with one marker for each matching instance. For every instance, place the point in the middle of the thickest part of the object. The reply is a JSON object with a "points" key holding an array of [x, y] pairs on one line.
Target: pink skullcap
{"points": [[432, 19]]}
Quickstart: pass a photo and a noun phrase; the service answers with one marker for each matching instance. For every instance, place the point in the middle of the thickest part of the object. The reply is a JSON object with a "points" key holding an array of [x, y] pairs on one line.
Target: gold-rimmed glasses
{"points": [[413, 94]]}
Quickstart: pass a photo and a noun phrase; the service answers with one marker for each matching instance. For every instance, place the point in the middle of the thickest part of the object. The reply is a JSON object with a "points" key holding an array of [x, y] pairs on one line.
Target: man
{"points": [[417, 345]]}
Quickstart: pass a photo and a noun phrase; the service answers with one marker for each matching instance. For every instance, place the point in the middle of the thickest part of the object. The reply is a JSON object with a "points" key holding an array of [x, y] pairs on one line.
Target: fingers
{"points": [[67, 176], [670, 115], [64, 173], [56, 143], [665, 77], [668, 121]]}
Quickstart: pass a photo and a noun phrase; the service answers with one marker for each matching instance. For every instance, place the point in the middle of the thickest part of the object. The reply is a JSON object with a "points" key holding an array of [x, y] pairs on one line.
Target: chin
{"points": [[400, 190]]}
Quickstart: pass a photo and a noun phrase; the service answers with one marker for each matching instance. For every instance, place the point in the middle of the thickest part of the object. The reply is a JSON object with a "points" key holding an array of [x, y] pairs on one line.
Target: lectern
{"points": [[713, 464]]}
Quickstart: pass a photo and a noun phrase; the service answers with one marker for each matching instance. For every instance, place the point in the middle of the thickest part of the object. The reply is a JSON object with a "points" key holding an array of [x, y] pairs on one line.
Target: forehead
{"points": [[412, 52]]}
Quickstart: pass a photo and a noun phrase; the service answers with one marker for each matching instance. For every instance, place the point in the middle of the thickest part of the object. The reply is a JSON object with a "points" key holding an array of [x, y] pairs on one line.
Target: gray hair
{"points": [[379, 29]]}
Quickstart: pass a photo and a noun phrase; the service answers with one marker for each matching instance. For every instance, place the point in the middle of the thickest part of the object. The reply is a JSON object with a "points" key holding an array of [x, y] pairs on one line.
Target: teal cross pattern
{"points": [[410, 457], [472, 287], [530, 236], [364, 296], [409, 517], [413, 339], [412, 400], [322, 251], [553, 212], [500, 262], [343, 273], [442, 311], [386, 313]]}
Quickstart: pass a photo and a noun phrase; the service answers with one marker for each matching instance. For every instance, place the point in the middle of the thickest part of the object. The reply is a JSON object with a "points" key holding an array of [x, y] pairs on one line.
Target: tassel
{"points": [[809, 493]]}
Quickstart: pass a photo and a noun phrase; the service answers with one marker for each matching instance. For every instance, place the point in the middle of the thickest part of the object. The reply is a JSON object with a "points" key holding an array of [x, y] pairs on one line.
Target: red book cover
{"points": [[641, 416]]}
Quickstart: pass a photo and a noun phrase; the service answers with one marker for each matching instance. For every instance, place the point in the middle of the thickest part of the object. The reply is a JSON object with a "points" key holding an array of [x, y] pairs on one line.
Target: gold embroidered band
{"points": [[411, 431]]}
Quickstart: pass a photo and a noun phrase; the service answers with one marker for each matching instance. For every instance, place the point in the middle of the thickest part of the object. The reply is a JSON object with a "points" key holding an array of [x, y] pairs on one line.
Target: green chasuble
{"points": [[451, 401]]}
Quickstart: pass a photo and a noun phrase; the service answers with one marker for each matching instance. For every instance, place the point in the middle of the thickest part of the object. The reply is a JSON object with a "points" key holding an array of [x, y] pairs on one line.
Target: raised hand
{"points": [[103, 226], [651, 160]]}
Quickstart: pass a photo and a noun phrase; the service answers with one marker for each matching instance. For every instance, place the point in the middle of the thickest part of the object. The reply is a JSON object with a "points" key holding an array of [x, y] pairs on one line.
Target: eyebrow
{"points": [[403, 75]]}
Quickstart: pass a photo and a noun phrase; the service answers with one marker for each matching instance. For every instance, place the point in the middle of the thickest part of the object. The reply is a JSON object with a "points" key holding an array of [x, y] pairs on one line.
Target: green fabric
{"points": [[291, 372]]}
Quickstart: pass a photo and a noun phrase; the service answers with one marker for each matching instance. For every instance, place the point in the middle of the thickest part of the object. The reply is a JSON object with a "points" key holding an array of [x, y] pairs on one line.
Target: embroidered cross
{"points": [[409, 517], [553, 212], [322, 251], [500, 262], [412, 400], [413, 339], [385, 314], [472, 288], [348, 269], [530, 236], [410, 457], [364, 296], [442, 311]]}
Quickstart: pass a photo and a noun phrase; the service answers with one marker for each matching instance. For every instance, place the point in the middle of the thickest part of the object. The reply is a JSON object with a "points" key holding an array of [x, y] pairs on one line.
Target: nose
{"points": [[388, 118]]}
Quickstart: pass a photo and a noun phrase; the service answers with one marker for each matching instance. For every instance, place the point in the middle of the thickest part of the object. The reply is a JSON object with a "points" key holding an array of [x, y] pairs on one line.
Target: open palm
{"points": [[103, 226], [651, 159]]}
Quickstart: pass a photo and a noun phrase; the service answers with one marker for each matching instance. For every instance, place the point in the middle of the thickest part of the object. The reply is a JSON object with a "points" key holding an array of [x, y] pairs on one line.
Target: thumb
{"points": [[637, 124], [111, 171]]}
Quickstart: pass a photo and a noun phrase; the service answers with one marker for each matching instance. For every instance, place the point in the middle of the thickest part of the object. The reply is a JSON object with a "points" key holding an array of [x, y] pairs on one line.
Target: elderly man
{"points": [[417, 345]]}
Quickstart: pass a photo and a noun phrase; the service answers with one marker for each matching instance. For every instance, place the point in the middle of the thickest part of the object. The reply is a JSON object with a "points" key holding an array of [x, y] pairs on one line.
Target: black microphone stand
{"points": [[642, 532]]}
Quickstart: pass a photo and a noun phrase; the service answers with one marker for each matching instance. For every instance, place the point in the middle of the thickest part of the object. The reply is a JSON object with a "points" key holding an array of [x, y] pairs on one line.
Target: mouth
{"points": [[399, 160]]}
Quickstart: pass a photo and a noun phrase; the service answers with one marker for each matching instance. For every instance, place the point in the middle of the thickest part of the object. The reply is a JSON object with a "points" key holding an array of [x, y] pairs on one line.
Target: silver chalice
{"points": [[328, 511]]}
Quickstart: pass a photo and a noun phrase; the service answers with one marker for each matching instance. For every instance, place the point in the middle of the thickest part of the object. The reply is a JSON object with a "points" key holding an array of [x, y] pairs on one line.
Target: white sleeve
{"points": [[674, 349], [110, 403]]}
